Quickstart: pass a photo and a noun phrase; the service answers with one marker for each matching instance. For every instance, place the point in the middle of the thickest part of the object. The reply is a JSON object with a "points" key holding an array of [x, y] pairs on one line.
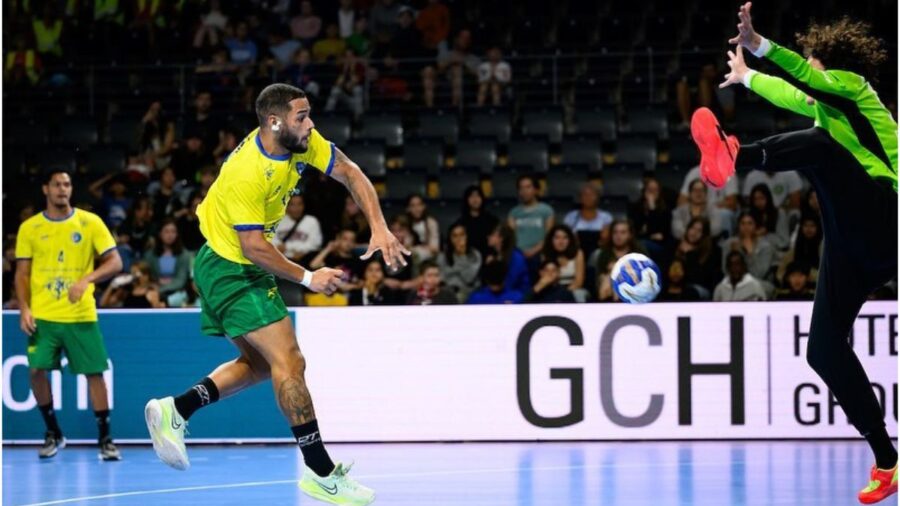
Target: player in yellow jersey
{"points": [[234, 275], [55, 276]]}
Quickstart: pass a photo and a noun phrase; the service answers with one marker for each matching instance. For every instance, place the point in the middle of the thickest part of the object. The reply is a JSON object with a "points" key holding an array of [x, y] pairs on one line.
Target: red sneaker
{"points": [[717, 151], [882, 484]]}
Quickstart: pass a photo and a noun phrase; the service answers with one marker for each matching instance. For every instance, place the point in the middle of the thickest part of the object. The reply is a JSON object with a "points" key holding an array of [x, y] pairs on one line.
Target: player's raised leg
{"points": [[322, 479]]}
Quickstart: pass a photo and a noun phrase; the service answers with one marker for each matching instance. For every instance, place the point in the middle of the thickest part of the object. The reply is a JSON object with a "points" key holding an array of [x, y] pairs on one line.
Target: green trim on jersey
{"points": [[847, 107]]}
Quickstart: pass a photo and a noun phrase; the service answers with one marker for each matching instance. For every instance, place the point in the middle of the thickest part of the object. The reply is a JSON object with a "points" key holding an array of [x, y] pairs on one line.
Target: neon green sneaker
{"points": [[336, 488], [167, 428]]}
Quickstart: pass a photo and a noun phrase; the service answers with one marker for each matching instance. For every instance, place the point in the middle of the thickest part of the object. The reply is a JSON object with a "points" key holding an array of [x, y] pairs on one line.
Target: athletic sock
{"points": [[883, 448], [50, 419], [102, 424], [314, 453], [203, 393]]}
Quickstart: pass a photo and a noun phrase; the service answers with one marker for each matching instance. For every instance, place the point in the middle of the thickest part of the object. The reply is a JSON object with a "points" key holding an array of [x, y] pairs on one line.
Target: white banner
{"points": [[614, 371]]}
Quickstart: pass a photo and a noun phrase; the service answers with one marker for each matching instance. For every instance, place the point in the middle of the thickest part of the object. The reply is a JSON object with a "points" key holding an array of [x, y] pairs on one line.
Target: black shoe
{"points": [[52, 444], [108, 450]]}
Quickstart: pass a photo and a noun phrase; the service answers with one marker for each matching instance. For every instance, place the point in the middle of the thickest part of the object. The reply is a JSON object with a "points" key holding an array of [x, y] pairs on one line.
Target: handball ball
{"points": [[636, 278]]}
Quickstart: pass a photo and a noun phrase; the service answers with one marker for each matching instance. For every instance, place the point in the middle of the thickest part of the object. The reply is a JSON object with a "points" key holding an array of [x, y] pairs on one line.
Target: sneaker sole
{"points": [[60, 446], [166, 450], [317, 494], [888, 493], [711, 139]]}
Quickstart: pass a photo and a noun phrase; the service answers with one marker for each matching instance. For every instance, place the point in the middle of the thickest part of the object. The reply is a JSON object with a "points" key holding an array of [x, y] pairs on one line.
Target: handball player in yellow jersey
{"points": [[55, 276], [234, 275]]}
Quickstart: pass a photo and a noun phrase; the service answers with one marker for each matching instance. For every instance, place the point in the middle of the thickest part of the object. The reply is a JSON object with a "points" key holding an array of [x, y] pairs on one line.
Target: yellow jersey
{"points": [[253, 189], [62, 252]]}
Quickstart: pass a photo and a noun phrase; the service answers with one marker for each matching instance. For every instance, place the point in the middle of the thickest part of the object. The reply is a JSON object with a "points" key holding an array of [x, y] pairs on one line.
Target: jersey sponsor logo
{"points": [[58, 286], [76, 237]]}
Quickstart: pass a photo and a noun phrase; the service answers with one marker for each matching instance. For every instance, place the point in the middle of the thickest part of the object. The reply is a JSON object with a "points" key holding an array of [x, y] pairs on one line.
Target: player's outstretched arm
{"points": [[774, 89], [359, 186], [266, 256], [809, 79]]}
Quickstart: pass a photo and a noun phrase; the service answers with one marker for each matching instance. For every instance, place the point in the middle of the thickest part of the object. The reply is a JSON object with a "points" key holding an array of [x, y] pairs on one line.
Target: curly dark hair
{"points": [[845, 44]]}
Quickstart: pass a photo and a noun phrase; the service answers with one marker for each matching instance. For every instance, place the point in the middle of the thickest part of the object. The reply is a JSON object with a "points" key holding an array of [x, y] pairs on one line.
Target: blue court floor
{"points": [[557, 474]]}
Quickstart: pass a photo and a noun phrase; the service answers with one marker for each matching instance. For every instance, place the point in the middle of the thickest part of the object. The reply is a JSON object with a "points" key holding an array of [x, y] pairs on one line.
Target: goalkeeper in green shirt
{"points": [[850, 157]]}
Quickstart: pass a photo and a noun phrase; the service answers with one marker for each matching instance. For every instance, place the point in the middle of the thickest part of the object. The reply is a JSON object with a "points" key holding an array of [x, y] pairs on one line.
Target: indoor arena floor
{"points": [[610, 474]]}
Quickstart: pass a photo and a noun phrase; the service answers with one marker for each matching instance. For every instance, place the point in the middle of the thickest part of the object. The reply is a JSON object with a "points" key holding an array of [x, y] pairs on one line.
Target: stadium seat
{"points": [[582, 151], [369, 156], [387, 128], [25, 134], [596, 122], [429, 155], [478, 153], [683, 151], [565, 182], [401, 184], [547, 122], [491, 123], [648, 121], [500, 208], [104, 159], [623, 180], [123, 130], [755, 119], [439, 124], [528, 153], [671, 177], [334, 127], [57, 158], [452, 183], [637, 149], [81, 132], [615, 205], [446, 212], [503, 184]]}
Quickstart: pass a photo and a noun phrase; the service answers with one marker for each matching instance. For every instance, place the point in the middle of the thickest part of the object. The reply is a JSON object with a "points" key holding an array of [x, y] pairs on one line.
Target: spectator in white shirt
{"points": [[786, 187], [739, 285], [298, 234], [346, 17], [698, 206], [494, 76]]}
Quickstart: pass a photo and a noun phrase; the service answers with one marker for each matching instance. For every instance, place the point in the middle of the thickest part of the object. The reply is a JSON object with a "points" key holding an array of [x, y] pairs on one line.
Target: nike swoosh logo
{"points": [[332, 490], [175, 425]]}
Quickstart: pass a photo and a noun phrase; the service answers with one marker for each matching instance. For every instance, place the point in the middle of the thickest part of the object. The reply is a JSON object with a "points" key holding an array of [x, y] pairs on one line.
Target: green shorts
{"points": [[235, 298], [81, 342]]}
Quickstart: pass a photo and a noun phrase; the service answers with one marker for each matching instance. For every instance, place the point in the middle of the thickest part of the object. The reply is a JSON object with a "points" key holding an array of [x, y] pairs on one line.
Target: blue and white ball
{"points": [[636, 278]]}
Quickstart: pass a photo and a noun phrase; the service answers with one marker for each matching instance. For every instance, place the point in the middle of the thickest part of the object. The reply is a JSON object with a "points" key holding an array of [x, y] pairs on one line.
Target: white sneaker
{"points": [[336, 488], [166, 428]]}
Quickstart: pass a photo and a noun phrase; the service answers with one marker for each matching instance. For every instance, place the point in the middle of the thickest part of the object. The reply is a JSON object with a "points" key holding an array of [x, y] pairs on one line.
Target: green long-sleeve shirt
{"points": [[846, 106]]}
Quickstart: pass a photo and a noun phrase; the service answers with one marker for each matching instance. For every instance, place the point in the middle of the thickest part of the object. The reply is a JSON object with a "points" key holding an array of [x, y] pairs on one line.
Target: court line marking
{"points": [[365, 477], [378, 476]]}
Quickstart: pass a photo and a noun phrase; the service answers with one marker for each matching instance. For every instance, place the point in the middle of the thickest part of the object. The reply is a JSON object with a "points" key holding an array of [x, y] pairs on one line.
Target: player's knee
{"points": [[291, 364]]}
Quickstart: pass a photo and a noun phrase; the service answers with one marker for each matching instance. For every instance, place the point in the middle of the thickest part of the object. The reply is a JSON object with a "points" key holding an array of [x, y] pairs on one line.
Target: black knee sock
{"points": [[751, 156], [203, 393], [883, 448], [102, 424], [50, 419], [314, 453]]}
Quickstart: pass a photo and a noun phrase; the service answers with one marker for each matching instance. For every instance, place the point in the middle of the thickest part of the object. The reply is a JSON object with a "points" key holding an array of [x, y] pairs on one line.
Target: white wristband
{"points": [[307, 278], [748, 76], [764, 46]]}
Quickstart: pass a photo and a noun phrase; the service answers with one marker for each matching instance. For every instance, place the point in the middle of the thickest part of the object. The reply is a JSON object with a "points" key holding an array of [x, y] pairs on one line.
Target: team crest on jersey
{"points": [[76, 237]]}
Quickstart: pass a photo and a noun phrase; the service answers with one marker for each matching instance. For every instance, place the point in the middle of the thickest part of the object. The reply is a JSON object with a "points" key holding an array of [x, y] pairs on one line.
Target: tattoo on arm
{"points": [[295, 401]]}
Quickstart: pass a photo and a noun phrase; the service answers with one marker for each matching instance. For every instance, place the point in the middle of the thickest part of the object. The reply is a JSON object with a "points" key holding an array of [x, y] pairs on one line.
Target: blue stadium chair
{"points": [[334, 127], [565, 182], [401, 184], [582, 151], [637, 149], [369, 155], [387, 128], [491, 123], [651, 120], [429, 155], [531, 153], [439, 124], [548, 122], [476, 152], [599, 121], [623, 180]]}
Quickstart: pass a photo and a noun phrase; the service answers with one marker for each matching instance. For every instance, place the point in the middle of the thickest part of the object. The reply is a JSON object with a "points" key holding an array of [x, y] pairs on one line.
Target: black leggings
{"points": [[859, 222]]}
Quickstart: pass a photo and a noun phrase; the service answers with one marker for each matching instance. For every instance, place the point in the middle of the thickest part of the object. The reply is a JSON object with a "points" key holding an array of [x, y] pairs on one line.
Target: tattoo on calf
{"points": [[295, 402]]}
